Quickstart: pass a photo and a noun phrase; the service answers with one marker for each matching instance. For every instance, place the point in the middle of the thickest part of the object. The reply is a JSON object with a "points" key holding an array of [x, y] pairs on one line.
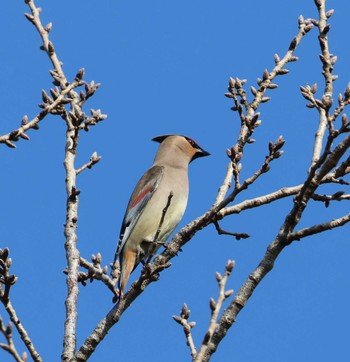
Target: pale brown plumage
{"points": [[168, 174]]}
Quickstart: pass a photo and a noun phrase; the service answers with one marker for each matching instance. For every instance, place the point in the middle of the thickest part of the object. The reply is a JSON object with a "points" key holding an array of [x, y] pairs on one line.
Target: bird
{"points": [[157, 203]]}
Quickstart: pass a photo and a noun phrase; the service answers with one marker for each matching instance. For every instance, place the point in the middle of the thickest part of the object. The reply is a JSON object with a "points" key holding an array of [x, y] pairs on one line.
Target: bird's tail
{"points": [[127, 264]]}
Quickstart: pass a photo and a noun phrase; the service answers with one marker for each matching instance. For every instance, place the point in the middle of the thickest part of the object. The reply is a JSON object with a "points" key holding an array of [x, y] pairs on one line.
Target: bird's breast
{"points": [[175, 184]]}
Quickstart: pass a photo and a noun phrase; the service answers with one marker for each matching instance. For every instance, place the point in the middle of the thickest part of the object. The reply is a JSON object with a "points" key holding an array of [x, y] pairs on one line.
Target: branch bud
{"points": [[185, 312], [24, 136], [218, 276], [276, 58], [314, 88], [30, 17], [308, 28], [207, 338], [9, 329], [347, 92], [230, 265], [232, 83], [50, 48], [293, 44], [283, 71], [177, 319], [98, 258], [272, 86], [212, 304], [228, 95], [228, 293], [24, 120], [326, 29], [48, 27], [265, 74], [344, 120], [79, 76], [329, 13], [253, 90], [340, 98]]}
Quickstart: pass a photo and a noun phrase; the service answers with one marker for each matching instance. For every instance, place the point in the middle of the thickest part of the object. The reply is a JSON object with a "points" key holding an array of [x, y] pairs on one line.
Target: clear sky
{"points": [[164, 67]]}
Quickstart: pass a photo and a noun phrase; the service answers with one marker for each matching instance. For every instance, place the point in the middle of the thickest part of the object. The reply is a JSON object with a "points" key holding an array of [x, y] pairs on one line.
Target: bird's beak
{"points": [[200, 153]]}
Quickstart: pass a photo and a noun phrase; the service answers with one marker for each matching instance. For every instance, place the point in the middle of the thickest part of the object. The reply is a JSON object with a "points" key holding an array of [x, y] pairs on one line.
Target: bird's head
{"points": [[186, 145]]}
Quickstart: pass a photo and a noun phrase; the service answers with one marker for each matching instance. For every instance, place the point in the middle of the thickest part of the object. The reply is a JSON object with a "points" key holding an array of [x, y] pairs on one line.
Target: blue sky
{"points": [[164, 68]]}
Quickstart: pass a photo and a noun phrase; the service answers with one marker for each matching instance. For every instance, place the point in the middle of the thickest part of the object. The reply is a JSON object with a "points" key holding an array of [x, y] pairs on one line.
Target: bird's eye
{"points": [[192, 143]]}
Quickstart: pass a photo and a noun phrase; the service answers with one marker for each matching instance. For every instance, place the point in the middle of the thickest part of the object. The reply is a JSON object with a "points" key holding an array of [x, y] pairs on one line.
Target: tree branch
{"points": [[10, 346], [323, 105], [7, 280], [328, 161], [215, 309], [187, 327], [20, 132], [73, 119], [316, 229], [96, 272], [93, 160]]}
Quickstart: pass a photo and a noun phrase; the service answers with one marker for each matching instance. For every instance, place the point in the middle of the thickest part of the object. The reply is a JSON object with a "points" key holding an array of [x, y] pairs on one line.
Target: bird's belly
{"points": [[145, 230]]}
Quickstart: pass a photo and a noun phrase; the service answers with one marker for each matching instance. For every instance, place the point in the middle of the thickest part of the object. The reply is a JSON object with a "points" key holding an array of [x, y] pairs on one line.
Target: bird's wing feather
{"points": [[143, 192]]}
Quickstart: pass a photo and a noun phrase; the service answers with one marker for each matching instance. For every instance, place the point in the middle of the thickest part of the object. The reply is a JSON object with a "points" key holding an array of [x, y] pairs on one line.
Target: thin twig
{"points": [[99, 274], [10, 346], [93, 160], [26, 125], [155, 241], [7, 280], [316, 229], [327, 65], [221, 231], [277, 195], [215, 309], [225, 185], [187, 327]]}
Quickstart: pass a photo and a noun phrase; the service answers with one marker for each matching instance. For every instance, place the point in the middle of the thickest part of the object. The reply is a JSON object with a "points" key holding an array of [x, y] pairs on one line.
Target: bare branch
{"points": [[187, 326], [7, 280], [259, 201], [316, 229], [72, 120], [304, 27], [220, 231], [93, 160], [96, 272], [225, 185], [10, 346], [329, 161], [215, 309], [327, 99], [75, 120], [281, 194], [18, 133]]}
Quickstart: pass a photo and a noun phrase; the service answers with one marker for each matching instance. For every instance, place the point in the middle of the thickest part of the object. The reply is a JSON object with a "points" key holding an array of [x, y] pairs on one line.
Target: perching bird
{"points": [[144, 228]]}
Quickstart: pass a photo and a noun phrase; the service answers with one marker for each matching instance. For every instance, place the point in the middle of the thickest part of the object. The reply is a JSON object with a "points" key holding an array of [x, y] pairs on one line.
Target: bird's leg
{"points": [[155, 241]]}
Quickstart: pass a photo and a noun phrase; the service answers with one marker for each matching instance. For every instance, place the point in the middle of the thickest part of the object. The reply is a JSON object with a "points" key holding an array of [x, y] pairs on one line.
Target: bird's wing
{"points": [[143, 192]]}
